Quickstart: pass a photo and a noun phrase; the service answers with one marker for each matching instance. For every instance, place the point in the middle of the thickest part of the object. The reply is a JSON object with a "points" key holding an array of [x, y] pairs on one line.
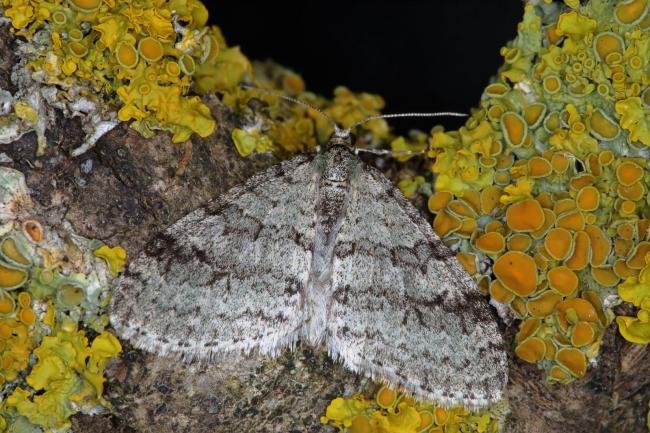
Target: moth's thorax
{"points": [[339, 161]]}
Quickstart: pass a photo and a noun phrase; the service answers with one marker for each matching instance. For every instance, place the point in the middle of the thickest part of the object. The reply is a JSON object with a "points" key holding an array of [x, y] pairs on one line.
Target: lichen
{"points": [[53, 296], [563, 141], [136, 61], [392, 412]]}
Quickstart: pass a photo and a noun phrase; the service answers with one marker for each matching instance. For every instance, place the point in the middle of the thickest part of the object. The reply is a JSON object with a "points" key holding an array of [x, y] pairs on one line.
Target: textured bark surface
{"points": [[137, 186]]}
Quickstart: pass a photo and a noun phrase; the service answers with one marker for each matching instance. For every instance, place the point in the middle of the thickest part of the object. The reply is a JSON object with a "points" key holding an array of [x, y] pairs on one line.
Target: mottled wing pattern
{"points": [[403, 310], [227, 277]]}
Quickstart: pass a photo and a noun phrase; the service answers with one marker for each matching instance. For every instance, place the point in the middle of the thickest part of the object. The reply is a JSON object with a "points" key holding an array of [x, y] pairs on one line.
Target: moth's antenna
{"points": [[392, 116], [296, 101]]}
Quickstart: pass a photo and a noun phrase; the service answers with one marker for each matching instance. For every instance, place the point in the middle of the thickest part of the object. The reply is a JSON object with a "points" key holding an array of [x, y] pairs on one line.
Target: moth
{"points": [[322, 248]]}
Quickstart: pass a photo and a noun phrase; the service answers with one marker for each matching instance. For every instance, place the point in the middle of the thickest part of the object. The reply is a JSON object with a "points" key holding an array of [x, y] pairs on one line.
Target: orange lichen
{"points": [[439, 200], [468, 261], [517, 272], [33, 230], [531, 350], [445, 223], [490, 243], [581, 252], [633, 192], [600, 245], [386, 397], [630, 12], [588, 199], [571, 311], [11, 252], [539, 167], [514, 128], [628, 173], [525, 215], [461, 209], [581, 181], [606, 277], [559, 243], [534, 114], [500, 293], [602, 127], [563, 280], [544, 304], [519, 242], [559, 374], [573, 359], [573, 220], [489, 199], [637, 257], [563, 205], [11, 277], [527, 328], [560, 162], [582, 334]]}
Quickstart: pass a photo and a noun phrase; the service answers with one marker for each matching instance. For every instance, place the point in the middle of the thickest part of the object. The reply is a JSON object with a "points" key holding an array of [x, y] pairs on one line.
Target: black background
{"points": [[419, 55]]}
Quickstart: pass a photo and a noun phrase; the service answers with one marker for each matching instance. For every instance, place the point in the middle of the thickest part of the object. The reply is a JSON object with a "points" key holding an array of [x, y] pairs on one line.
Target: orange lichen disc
{"points": [[559, 243], [10, 250], [386, 397], [514, 128], [602, 127], [600, 244], [460, 208], [468, 261], [150, 49], [7, 304], [527, 328], [500, 293], [534, 114], [519, 242], [439, 200], [588, 199], [581, 252], [517, 272], [606, 277], [637, 257], [573, 359], [560, 162], [531, 350], [559, 374], [489, 199], [126, 55], [633, 192], [525, 215], [445, 223], [582, 334], [607, 43], [490, 243], [544, 304], [628, 172], [10, 277], [629, 12], [564, 205], [539, 167], [33, 230], [563, 280]]}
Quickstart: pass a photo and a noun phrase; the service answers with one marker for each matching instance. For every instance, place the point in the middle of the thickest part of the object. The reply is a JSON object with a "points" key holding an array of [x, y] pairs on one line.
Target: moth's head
{"points": [[340, 137]]}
